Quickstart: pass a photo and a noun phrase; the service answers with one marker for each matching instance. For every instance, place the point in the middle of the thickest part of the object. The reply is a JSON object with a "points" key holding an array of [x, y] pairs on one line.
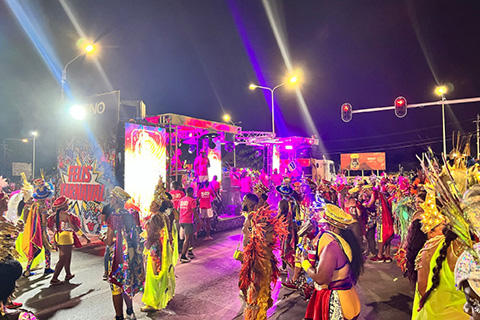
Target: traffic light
{"points": [[400, 107], [346, 112]]}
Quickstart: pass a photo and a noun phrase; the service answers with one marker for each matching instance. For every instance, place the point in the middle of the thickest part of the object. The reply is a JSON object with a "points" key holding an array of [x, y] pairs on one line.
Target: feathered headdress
{"points": [[159, 195], [430, 218], [446, 188]]}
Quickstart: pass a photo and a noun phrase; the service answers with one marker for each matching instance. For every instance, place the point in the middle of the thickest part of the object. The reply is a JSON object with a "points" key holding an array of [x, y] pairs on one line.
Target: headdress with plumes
{"points": [[430, 218], [159, 195], [447, 190], [260, 188], [260, 265]]}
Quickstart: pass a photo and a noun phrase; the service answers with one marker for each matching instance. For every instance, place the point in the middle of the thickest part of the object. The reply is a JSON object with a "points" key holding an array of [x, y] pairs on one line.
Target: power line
{"points": [[393, 146], [397, 133]]}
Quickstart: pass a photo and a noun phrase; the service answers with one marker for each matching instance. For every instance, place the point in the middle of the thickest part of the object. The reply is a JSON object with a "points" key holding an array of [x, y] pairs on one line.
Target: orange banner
{"points": [[363, 161]]}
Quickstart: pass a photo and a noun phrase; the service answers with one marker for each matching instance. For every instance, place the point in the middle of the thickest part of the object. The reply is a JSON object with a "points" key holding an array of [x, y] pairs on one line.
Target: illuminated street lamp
{"points": [[87, 49], [272, 90], [441, 91], [34, 135]]}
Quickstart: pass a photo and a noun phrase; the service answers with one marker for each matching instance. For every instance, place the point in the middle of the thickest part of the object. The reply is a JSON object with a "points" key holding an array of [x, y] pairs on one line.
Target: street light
{"points": [[441, 91], [272, 90], [87, 49], [34, 135]]}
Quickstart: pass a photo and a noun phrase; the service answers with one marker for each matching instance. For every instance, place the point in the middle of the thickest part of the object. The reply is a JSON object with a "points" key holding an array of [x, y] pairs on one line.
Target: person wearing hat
{"points": [[351, 206], [286, 209], [161, 252], [334, 268], [35, 237], [261, 191], [125, 260], [66, 226]]}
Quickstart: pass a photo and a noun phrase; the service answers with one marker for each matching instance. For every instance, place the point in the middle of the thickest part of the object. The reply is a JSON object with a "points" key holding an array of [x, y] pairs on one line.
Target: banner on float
{"points": [[86, 158], [363, 161], [145, 162]]}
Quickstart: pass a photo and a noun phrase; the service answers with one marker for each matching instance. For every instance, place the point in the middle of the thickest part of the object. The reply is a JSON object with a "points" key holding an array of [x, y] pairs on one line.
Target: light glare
{"points": [[89, 48], [293, 79], [226, 118], [252, 87], [34, 133], [77, 112], [24, 140], [441, 90]]}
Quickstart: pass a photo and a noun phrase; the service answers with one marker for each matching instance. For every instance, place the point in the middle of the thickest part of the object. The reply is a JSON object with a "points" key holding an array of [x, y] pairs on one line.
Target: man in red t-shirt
{"points": [[205, 196], [201, 165], [188, 211], [176, 193]]}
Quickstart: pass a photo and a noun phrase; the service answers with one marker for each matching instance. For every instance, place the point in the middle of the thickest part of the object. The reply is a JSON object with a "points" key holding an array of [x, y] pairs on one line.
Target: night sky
{"points": [[198, 57]]}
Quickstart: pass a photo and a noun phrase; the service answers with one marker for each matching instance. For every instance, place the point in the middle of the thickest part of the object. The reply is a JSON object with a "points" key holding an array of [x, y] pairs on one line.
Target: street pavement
{"points": [[207, 288]]}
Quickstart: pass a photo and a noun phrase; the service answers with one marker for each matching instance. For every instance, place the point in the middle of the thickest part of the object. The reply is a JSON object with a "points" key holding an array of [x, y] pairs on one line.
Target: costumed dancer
{"points": [[67, 228], [35, 237], [335, 269], [161, 252], [285, 210], [10, 268], [261, 191], [126, 273], [467, 269], [262, 234], [445, 191]]}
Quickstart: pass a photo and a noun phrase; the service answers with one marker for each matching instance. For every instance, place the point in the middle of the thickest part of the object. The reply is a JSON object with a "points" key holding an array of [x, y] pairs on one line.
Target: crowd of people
{"points": [[317, 234]]}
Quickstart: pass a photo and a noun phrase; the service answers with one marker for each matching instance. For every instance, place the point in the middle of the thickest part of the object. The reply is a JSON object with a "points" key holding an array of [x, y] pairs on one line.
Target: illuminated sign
{"points": [[145, 162], [363, 161]]}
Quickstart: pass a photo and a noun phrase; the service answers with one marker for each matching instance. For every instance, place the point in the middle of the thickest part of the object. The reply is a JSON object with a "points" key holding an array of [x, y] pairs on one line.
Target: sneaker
{"points": [[387, 259], [377, 259], [105, 277], [289, 285], [208, 238], [184, 260], [48, 271], [131, 316], [190, 254]]}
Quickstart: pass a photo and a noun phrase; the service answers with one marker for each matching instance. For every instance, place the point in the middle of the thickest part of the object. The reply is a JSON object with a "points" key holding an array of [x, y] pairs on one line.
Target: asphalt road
{"points": [[206, 289]]}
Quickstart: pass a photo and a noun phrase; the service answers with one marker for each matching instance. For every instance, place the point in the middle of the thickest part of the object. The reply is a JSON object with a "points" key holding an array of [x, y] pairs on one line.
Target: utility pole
{"points": [[478, 136]]}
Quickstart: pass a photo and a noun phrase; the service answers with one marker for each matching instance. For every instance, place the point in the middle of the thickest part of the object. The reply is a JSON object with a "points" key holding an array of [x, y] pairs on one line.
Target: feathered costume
{"points": [[260, 266], [161, 254]]}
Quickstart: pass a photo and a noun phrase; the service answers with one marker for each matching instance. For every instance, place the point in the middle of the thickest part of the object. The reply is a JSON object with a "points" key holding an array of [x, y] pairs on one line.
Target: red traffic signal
{"points": [[346, 112], [400, 107]]}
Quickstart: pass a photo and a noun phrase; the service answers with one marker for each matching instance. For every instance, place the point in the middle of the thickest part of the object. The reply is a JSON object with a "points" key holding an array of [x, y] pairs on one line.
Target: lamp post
{"points": [[4, 144], [89, 48], [227, 118], [441, 91], [272, 90], [34, 135]]}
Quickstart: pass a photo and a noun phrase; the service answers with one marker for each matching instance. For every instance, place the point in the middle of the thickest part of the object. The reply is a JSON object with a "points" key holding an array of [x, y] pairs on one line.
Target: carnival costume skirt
{"points": [[325, 305], [64, 238]]}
